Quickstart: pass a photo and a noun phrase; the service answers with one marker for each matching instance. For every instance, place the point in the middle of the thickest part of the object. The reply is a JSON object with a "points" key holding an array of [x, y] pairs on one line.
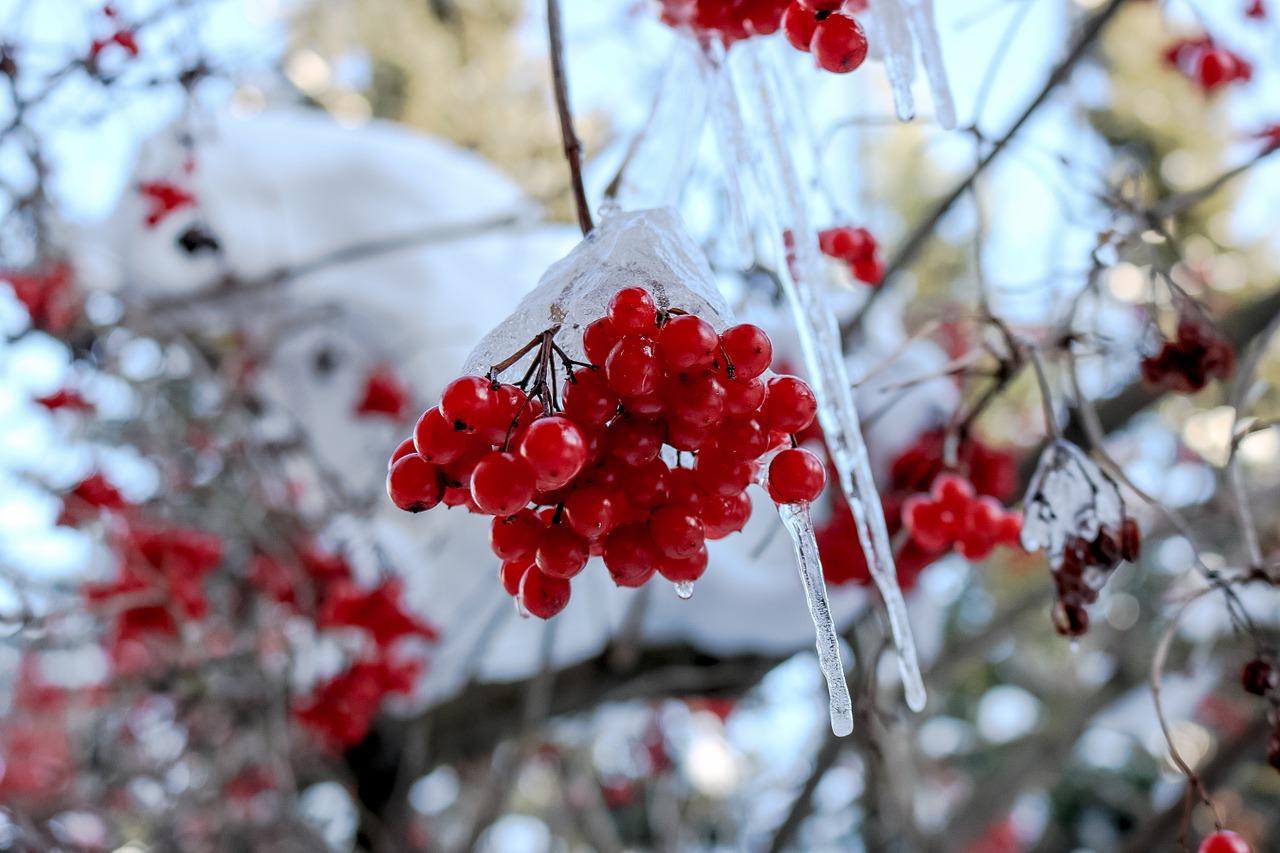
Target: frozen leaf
{"points": [[1069, 498]]}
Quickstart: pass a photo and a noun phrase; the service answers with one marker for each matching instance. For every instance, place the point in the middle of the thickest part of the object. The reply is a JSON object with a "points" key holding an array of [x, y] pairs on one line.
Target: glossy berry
{"points": [[684, 569], [629, 555], [632, 368], [510, 410], [414, 484], [697, 398], [402, 450], [588, 399], [589, 511], [503, 484], [687, 342], [561, 552], [511, 573], [598, 339], [796, 476], [543, 595], [677, 530], [790, 405], [466, 402], [634, 441], [742, 437], [515, 537], [839, 44], [436, 439], [816, 6], [725, 514], [748, 350], [631, 311], [721, 474], [1224, 841], [556, 449], [744, 398], [798, 25]]}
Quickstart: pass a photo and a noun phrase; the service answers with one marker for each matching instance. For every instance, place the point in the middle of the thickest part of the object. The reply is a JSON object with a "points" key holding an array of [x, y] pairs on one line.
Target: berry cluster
{"points": [[163, 198], [1256, 9], [1187, 363], [384, 394], [1085, 568], [1207, 63], [857, 248], [122, 35], [952, 515], [49, 295], [1224, 841], [992, 475], [1259, 677], [599, 472], [820, 27]]}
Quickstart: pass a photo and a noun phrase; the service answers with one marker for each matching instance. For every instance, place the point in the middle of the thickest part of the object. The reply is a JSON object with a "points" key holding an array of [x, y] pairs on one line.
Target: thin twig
{"points": [[572, 147]]}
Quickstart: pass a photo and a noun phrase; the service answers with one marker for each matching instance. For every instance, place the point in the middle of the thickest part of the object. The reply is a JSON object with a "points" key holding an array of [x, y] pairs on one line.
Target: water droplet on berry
{"points": [[684, 589]]}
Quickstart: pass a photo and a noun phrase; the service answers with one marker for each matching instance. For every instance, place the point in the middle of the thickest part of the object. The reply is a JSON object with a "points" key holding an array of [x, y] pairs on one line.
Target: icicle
{"points": [[892, 33], [824, 358], [795, 517], [684, 589], [921, 17]]}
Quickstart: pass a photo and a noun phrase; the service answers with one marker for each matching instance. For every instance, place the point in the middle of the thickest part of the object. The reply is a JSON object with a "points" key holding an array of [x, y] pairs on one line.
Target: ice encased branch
{"points": [[1070, 497]]}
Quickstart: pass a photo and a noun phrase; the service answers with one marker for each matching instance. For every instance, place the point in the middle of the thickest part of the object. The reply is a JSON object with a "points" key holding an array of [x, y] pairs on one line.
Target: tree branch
{"points": [[572, 147]]}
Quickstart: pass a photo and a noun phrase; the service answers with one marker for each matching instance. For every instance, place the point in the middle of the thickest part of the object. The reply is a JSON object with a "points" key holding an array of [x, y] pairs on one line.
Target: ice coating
{"points": [[774, 172], [900, 27], [648, 248], [1069, 497], [795, 517]]}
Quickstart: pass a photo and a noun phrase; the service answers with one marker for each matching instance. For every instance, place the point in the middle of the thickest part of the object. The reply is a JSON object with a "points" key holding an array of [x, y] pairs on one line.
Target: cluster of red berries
{"points": [[385, 393], [857, 248], [821, 27], [953, 515], [49, 295], [163, 198], [1085, 568], [992, 474], [1224, 841], [1261, 678], [599, 472], [122, 36], [1207, 63], [1256, 9], [1187, 363]]}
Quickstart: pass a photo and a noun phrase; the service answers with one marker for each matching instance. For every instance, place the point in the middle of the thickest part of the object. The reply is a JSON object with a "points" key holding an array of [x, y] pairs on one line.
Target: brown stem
{"points": [[572, 147]]}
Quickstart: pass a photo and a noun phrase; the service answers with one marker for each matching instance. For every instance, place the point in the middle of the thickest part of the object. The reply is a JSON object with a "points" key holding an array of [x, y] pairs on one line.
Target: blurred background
{"points": [[245, 244]]}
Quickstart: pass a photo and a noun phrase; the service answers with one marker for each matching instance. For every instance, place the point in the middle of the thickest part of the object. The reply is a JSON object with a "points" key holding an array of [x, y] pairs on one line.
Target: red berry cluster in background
{"points": [[857, 248], [1224, 841], [1260, 677], [992, 478], [122, 36], [836, 40], [645, 456], [49, 295], [1207, 63], [385, 394], [953, 515], [163, 198], [1256, 9], [1085, 568], [1187, 363], [820, 27]]}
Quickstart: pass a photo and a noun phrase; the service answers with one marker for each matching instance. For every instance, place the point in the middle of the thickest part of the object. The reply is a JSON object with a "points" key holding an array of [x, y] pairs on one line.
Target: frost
{"points": [[899, 27], [773, 174], [1069, 497], [795, 517], [649, 248]]}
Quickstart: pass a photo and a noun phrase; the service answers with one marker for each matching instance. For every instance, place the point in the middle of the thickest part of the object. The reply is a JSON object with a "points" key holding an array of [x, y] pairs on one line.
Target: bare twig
{"points": [[572, 147]]}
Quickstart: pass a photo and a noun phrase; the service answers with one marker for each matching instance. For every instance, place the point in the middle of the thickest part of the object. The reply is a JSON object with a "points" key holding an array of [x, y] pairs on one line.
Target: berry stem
{"points": [[560, 85]]}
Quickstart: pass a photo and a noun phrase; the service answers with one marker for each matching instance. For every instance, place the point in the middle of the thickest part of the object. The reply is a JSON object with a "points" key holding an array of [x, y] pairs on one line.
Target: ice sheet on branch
{"points": [[647, 248], [1069, 497]]}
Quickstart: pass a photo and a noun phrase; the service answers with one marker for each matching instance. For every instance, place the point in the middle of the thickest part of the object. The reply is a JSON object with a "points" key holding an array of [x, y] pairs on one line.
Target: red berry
{"points": [[402, 450], [509, 403], [599, 339], [847, 243], [589, 511], [743, 398], [629, 555], [556, 449], [688, 437], [436, 439], [414, 484], [798, 25], [502, 484], [721, 474], [868, 271], [632, 311], [742, 437], [511, 573], [677, 530], [1259, 677], [458, 472], [644, 486], [634, 440], [542, 595], [816, 6], [458, 496], [839, 45], [467, 402], [725, 514], [515, 537], [683, 488], [748, 349], [648, 406], [685, 569], [588, 399], [562, 553], [632, 368], [1224, 841], [687, 342], [796, 476], [697, 398], [790, 405]]}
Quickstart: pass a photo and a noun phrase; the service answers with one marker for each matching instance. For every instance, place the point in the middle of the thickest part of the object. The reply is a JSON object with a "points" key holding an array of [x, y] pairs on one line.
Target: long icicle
{"points": [[795, 517], [824, 357]]}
